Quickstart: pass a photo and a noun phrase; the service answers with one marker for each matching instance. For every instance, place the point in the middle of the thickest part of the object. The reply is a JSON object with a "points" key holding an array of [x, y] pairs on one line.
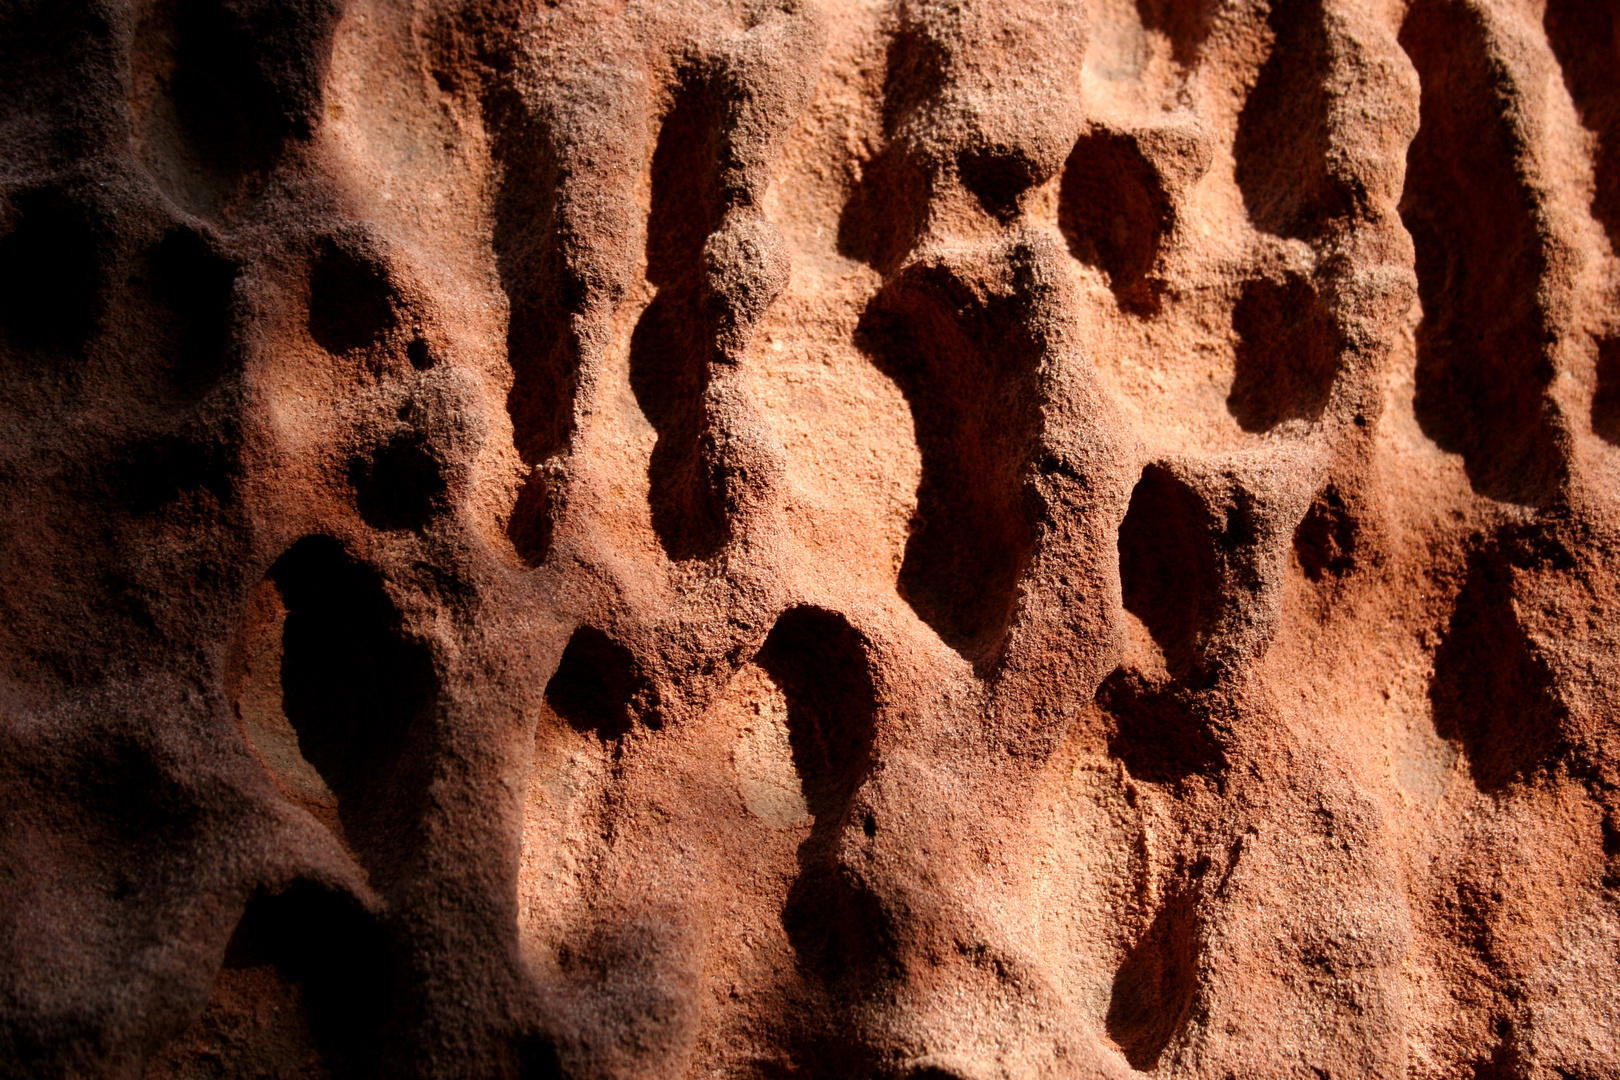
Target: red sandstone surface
{"points": [[932, 540]]}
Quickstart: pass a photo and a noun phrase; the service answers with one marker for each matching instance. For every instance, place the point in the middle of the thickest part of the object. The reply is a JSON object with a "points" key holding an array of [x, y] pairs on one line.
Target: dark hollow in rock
{"points": [[821, 663], [192, 287], [541, 346], [1167, 566], [669, 355], [1152, 991], [419, 355], [998, 178], [249, 74], [598, 687], [400, 484], [1163, 734], [1185, 22], [351, 304], [1114, 212], [1585, 36], [1283, 146], [1492, 693], [1325, 541], [968, 369], [1287, 354], [50, 275], [1482, 365], [819, 660], [156, 471], [880, 220], [362, 697], [1606, 398], [305, 991], [671, 347]]}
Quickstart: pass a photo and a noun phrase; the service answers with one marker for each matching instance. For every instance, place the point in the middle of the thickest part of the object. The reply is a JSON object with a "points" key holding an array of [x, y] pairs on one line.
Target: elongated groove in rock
{"points": [[811, 539]]}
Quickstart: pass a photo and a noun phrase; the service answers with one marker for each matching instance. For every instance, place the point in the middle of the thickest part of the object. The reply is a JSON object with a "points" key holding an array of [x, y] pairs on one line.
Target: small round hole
{"points": [[417, 353]]}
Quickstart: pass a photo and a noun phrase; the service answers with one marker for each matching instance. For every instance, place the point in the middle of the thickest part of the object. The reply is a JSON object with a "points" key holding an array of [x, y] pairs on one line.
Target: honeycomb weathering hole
{"points": [[304, 990], [1153, 988], [1606, 396], [351, 304], [1162, 733], [218, 90], [400, 484], [597, 686], [1283, 145], [998, 178], [1167, 565], [1585, 36], [49, 284], [1114, 212], [360, 695], [670, 350], [1482, 372], [542, 349], [1492, 693], [968, 372], [1286, 357], [820, 663], [1326, 541]]}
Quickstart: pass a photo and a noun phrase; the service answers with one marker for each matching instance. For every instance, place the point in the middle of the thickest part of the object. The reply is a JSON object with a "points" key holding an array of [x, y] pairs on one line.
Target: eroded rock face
{"points": [[923, 540]]}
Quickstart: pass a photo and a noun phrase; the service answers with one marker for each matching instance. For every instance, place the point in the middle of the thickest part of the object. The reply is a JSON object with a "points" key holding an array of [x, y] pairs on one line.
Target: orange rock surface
{"points": [[820, 539]]}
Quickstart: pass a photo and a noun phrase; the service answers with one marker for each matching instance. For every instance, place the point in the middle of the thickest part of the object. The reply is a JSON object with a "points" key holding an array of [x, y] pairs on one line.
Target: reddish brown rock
{"points": [[911, 540]]}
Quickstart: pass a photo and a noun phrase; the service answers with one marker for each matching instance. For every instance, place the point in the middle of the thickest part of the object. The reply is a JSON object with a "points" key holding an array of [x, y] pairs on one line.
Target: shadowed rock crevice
{"points": [[351, 303], [1482, 364], [1326, 541], [884, 213], [400, 484], [967, 364], [542, 347], [1283, 146], [598, 687], [999, 177], [1585, 36], [1163, 733], [1287, 354], [1606, 397], [672, 346], [219, 87], [1152, 991], [171, 469], [1493, 693], [191, 292], [1167, 567], [413, 470], [1114, 212], [362, 698], [305, 991], [821, 664], [50, 278], [70, 279], [1186, 23]]}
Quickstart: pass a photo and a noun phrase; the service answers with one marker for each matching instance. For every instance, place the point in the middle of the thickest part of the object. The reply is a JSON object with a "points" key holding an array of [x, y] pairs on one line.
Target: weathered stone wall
{"points": [[932, 539]]}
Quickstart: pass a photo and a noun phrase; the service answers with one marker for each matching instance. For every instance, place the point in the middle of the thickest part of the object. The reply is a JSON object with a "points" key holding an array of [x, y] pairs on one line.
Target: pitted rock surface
{"points": [[833, 539]]}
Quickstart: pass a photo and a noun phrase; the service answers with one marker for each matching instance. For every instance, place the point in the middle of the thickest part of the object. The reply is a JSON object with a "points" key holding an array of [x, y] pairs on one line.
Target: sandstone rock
{"points": [[816, 538]]}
